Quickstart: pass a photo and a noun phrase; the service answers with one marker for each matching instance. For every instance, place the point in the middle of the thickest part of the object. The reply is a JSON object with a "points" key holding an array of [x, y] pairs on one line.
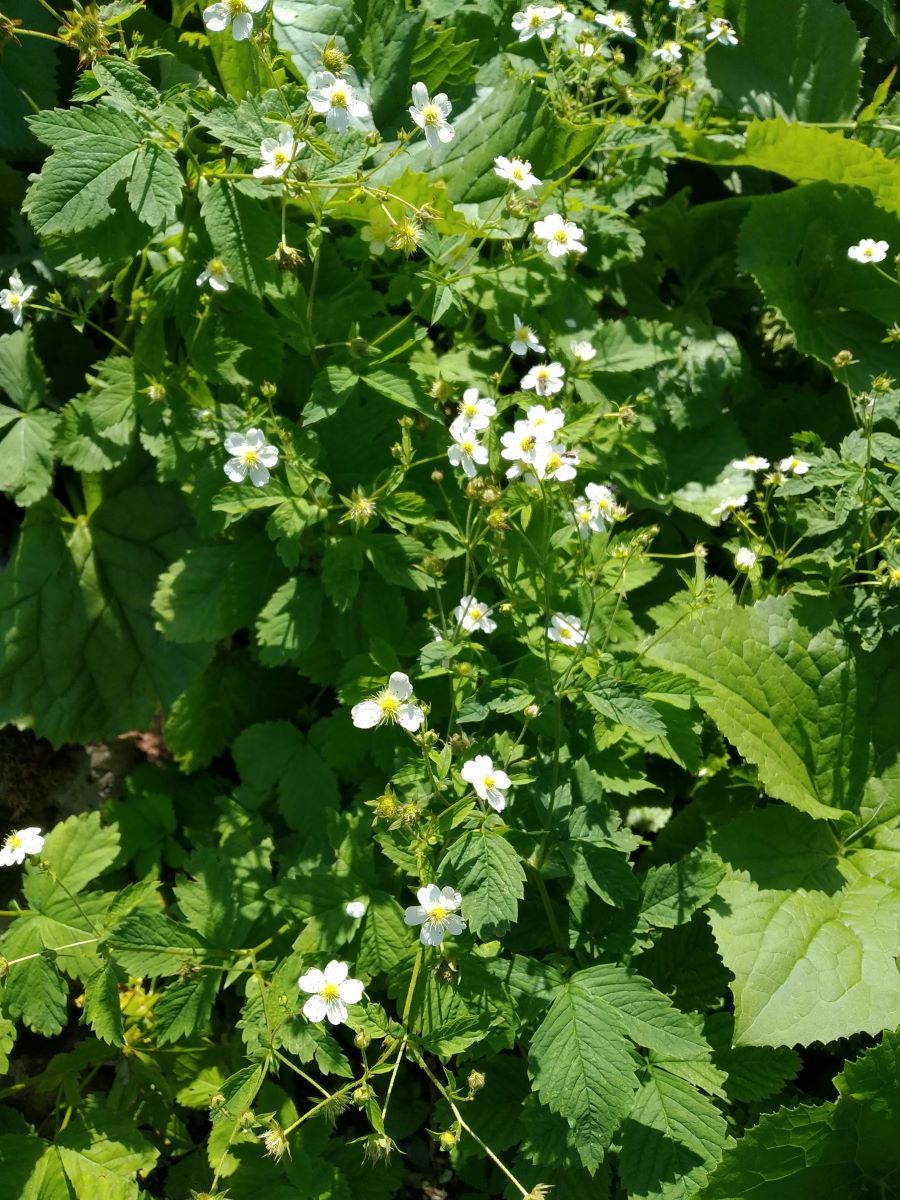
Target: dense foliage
{"points": [[385, 391]]}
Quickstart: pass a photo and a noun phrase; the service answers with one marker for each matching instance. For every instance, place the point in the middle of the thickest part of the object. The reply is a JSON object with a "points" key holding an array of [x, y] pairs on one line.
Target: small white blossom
{"points": [[521, 445], [596, 510], [668, 52], [391, 705], [536, 20], [554, 462], [545, 421], [584, 46], [277, 155], [745, 559], [250, 455], [729, 505], [215, 273], [617, 22], [517, 171], [649, 818], [436, 913], [330, 992], [750, 462], [868, 251], [545, 379], [355, 909], [15, 297], [474, 616], [466, 451], [722, 31], [566, 630], [490, 783], [335, 98], [792, 465], [562, 237], [684, 5], [236, 13], [524, 339], [583, 351], [476, 410], [19, 844], [431, 116]]}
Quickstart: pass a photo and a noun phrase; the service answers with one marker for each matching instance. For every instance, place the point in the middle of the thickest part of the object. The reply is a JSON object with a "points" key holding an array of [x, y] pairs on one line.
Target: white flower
{"points": [[536, 19], [793, 465], [392, 704], [250, 455], [472, 615], [522, 444], [585, 47], [617, 22], [684, 5], [722, 31], [583, 351], [745, 559], [15, 297], [517, 171], [545, 421], [335, 98], [215, 273], [489, 783], [236, 13], [524, 339], [546, 379], [750, 462], [431, 116], [562, 237], [556, 462], [595, 511], [476, 410], [668, 52], [355, 909], [466, 452], [19, 844], [435, 913], [650, 818], [330, 992], [566, 630], [724, 507], [277, 155], [865, 251]]}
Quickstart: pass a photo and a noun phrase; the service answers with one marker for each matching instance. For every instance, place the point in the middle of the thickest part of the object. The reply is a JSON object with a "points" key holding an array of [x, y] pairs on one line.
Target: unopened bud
{"points": [[475, 1081], [531, 712], [440, 390], [437, 476], [448, 1139], [334, 60], [362, 1095], [843, 358], [362, 1041]]}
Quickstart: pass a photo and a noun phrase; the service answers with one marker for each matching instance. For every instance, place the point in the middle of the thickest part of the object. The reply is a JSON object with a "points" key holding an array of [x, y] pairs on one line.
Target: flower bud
{"points": [[437, 476], [476, 1081], [843, 358], [335, 60], [531, 712], [448, 1139], [387, 807], [288, 258], [4, 967], [362, 1095], [362, 1041]]}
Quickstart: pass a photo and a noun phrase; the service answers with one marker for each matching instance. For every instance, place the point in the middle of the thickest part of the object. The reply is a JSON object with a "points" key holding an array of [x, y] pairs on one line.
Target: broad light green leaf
{"points": [[796, 701], [79, 849], [243, 233], [673, 892], [101, 1004], [97, 429], [275, 757], [648, 1017], [289, 623], [583, 1066], [75, 600], [102, 1153], [125, 83], [26, 430], [94, 149], [151, 944], [486, 870], [184, 1008], [7, 1041], [673, 1137], [805, 65], [215, 590]]}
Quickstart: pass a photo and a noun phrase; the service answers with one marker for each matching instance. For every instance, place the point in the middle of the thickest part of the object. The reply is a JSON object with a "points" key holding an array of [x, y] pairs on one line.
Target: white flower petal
{"points": [[352, 991], [399, 685], [315, 1009], [366, 715], [312, 981], [414, 915], [336, 972]]}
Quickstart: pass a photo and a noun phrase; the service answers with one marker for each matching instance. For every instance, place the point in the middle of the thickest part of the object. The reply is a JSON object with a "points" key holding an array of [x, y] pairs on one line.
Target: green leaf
{"points": [[101, 1153], [275, 757], [101, 1005], [754, 1072], [79, 849], [184, 1008], [385, 936], [796, 700], [151, 944], [648, 1017], [97, 429], [243, 234], [811, 71], [238, 1093], [125, 83], [673, 892], [213, 591], [402, 385], [7, 1041], [75, 598], [38, 995], [26, 447], [94, 150], [583, 1066], [289, 623], [672, 1139], [486, 870]]}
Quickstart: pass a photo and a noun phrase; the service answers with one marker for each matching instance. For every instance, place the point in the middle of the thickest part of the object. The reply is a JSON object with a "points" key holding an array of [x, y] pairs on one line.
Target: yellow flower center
{"points": [[535, 20], [560, 236], [475, 614], [389, 705], [216, 266], [14, 300], [488, 781], [439, 913], [565, 632], [339, 98], [470, 410], [14, 842], [330, 991], [282, 158], [527, 443], [431, 114], [584, 516], [250, 458], [517, 173], [467, 447], [554, 462]]}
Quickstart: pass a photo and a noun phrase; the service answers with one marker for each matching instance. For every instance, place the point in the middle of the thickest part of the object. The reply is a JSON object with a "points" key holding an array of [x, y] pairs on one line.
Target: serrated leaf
{"points": [[7, 1041], [125, 83], [673, 892], [385, 936], [583, 1067], [39, 997], [486, 870], [290, 620], [26, 446], [101, 1005], [102, 1153], [79, 849], [184, 1008], [151, 944], [648, 1017], [97, 429], [275, 757], [243, 234]]}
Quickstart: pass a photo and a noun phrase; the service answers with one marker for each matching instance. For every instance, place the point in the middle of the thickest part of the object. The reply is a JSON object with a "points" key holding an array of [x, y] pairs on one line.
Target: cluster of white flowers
{"points": [[489, 782], [392, 705], [250, 455], [566, 630], [436, 913], [596, 510], [19, 844], [14, 298], [537, 20], [868, 250], [474, 417], [236, 13], [791, 465], [531, 446], [562, 237], [473, 616]]}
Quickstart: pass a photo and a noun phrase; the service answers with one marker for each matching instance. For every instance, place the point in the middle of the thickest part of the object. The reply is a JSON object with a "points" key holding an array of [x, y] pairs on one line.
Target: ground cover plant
{"points": [[454, 448]]}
